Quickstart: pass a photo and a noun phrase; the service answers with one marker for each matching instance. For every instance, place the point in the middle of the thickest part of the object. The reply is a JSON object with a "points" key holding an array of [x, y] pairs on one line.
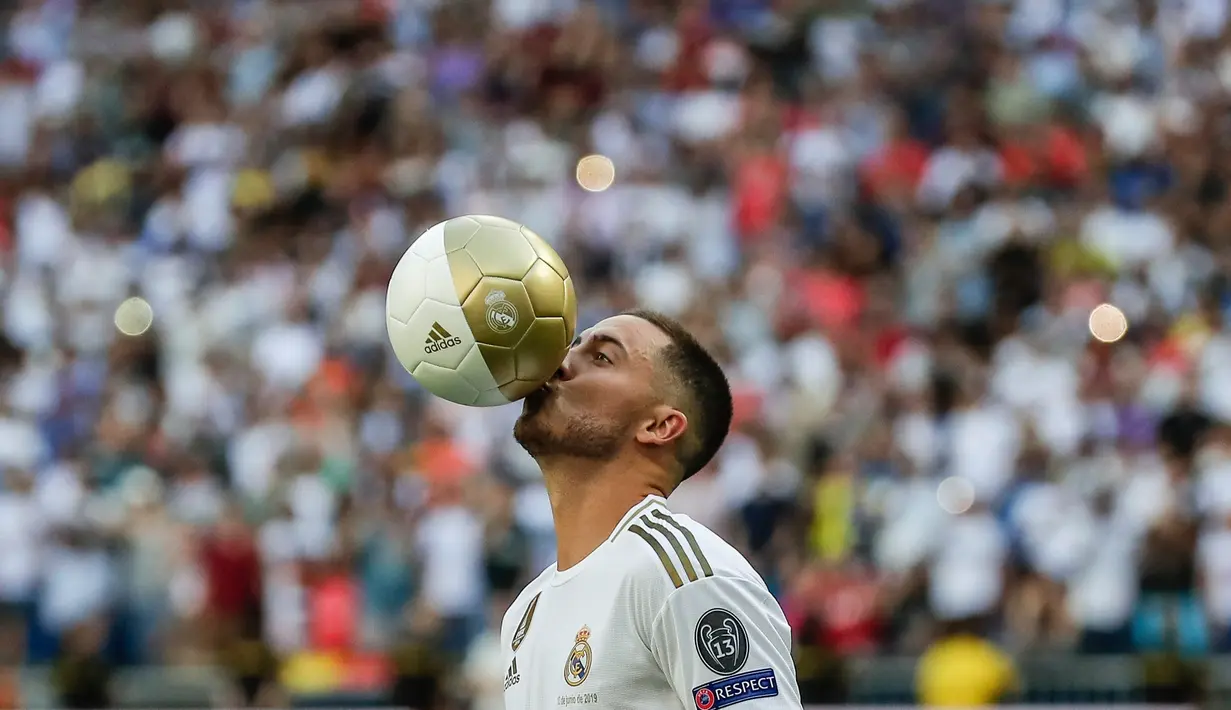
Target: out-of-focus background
{"points": [[892, 219]]}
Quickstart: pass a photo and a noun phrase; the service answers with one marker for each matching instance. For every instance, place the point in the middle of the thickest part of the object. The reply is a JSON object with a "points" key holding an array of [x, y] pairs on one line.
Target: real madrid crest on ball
{"points": [[501, 314], [580, 657], [722, 642]]}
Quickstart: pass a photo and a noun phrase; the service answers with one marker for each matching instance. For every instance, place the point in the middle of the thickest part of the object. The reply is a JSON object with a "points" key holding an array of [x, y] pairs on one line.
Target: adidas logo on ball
{"points": [[439, 339]]}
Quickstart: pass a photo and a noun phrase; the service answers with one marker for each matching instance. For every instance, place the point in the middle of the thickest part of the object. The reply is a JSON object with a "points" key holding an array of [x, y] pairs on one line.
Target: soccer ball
{"points": [[481, 310]]}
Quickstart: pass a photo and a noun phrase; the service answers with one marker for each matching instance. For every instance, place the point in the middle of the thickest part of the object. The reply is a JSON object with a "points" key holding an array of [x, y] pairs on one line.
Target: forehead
{"points": [[636, 335]]}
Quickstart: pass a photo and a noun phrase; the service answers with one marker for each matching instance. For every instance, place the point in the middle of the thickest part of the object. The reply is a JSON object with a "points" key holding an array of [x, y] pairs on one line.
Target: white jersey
{"points": [[663, 614]]}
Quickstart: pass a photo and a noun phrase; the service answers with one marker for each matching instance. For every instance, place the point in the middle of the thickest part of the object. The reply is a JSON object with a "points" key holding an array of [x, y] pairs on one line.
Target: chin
{"points": [[525, 420], [538, 428], [531, 434]]}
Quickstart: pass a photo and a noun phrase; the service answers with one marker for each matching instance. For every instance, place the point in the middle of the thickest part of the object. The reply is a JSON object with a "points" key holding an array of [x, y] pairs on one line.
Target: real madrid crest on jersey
{"points": [[579, 659], [501, 315]]}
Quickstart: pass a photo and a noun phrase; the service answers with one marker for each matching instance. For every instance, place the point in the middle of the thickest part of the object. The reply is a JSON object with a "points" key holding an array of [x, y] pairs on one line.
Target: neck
{"points": [[588, 499]]}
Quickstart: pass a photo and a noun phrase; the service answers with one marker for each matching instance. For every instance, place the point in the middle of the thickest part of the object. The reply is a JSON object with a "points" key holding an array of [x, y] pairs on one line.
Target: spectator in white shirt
{"points": [[450, 543], [1214, 575], [968, 566], [1102, 584]]}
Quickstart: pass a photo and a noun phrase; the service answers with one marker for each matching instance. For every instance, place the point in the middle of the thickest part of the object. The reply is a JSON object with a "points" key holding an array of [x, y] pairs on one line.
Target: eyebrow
{"points": [[603, 338]]}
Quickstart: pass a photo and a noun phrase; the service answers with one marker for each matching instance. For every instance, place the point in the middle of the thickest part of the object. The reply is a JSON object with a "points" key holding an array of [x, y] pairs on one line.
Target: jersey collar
{"points": [[644, 505], [559, 577]]}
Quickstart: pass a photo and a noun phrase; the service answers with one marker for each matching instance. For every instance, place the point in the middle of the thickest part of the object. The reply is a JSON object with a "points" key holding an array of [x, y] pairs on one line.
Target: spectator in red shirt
{"points": [[1065, 156], [844, 602], [232, 572], [894, 171]]}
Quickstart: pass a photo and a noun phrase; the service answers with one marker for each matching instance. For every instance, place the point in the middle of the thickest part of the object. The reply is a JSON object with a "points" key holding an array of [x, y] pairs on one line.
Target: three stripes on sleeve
{"points": [[651, 526]]}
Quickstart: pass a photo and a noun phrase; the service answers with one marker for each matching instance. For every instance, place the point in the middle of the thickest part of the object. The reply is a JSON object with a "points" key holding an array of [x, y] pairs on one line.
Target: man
{"points": [[643, 608]]}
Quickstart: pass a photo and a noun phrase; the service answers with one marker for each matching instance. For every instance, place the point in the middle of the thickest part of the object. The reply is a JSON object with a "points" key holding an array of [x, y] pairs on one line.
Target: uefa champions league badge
{"points": [[721, 641]]}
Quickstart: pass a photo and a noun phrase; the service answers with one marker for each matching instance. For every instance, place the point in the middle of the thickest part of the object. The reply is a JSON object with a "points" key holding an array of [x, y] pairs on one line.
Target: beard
{"points": [[544, 431]]}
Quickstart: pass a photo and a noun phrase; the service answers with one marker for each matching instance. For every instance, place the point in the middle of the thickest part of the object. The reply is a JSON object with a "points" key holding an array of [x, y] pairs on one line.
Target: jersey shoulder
{"points": [[667, 551]]}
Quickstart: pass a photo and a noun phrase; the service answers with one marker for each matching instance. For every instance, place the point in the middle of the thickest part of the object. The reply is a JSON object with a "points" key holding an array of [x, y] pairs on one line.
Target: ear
{"points": [[666, 425]]}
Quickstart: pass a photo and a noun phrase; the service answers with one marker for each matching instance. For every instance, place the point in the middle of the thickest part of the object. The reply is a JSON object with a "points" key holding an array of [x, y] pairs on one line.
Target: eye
{"points": [[602, 357]]}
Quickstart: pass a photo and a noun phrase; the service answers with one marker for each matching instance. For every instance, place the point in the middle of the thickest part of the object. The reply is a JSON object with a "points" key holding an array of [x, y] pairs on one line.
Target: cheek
{"points": [[606, 391], [604, 394]]}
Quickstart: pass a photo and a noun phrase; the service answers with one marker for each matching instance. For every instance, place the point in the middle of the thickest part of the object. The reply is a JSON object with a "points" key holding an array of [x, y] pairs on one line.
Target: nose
{"points": [[568, 368]]}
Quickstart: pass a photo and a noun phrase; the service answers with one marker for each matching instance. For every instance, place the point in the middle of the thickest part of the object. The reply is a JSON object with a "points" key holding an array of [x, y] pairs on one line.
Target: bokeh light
{"points": [[955, 495], [134, 316], [595, 173], [1108, 323]]}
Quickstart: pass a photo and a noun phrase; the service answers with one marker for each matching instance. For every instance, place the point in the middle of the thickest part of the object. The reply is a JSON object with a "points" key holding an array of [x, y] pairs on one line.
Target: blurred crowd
{"points": [[890, 218]]}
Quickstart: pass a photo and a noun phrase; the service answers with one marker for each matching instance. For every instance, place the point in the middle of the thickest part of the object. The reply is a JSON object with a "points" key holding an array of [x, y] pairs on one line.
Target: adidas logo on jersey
{"points": [[512, 677], [439, 339]]}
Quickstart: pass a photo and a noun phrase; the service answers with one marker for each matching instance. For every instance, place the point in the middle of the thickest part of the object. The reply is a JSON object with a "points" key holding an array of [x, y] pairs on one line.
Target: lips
{"points": [[536, 399]]}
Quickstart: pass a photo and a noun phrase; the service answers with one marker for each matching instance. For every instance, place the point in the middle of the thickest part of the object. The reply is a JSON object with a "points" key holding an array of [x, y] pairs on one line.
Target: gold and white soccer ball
{"points": [[481, 310]]}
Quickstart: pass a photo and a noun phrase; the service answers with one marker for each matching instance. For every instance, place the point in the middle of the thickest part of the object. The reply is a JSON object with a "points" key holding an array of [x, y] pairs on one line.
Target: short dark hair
{"points": [[698, 377]]}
